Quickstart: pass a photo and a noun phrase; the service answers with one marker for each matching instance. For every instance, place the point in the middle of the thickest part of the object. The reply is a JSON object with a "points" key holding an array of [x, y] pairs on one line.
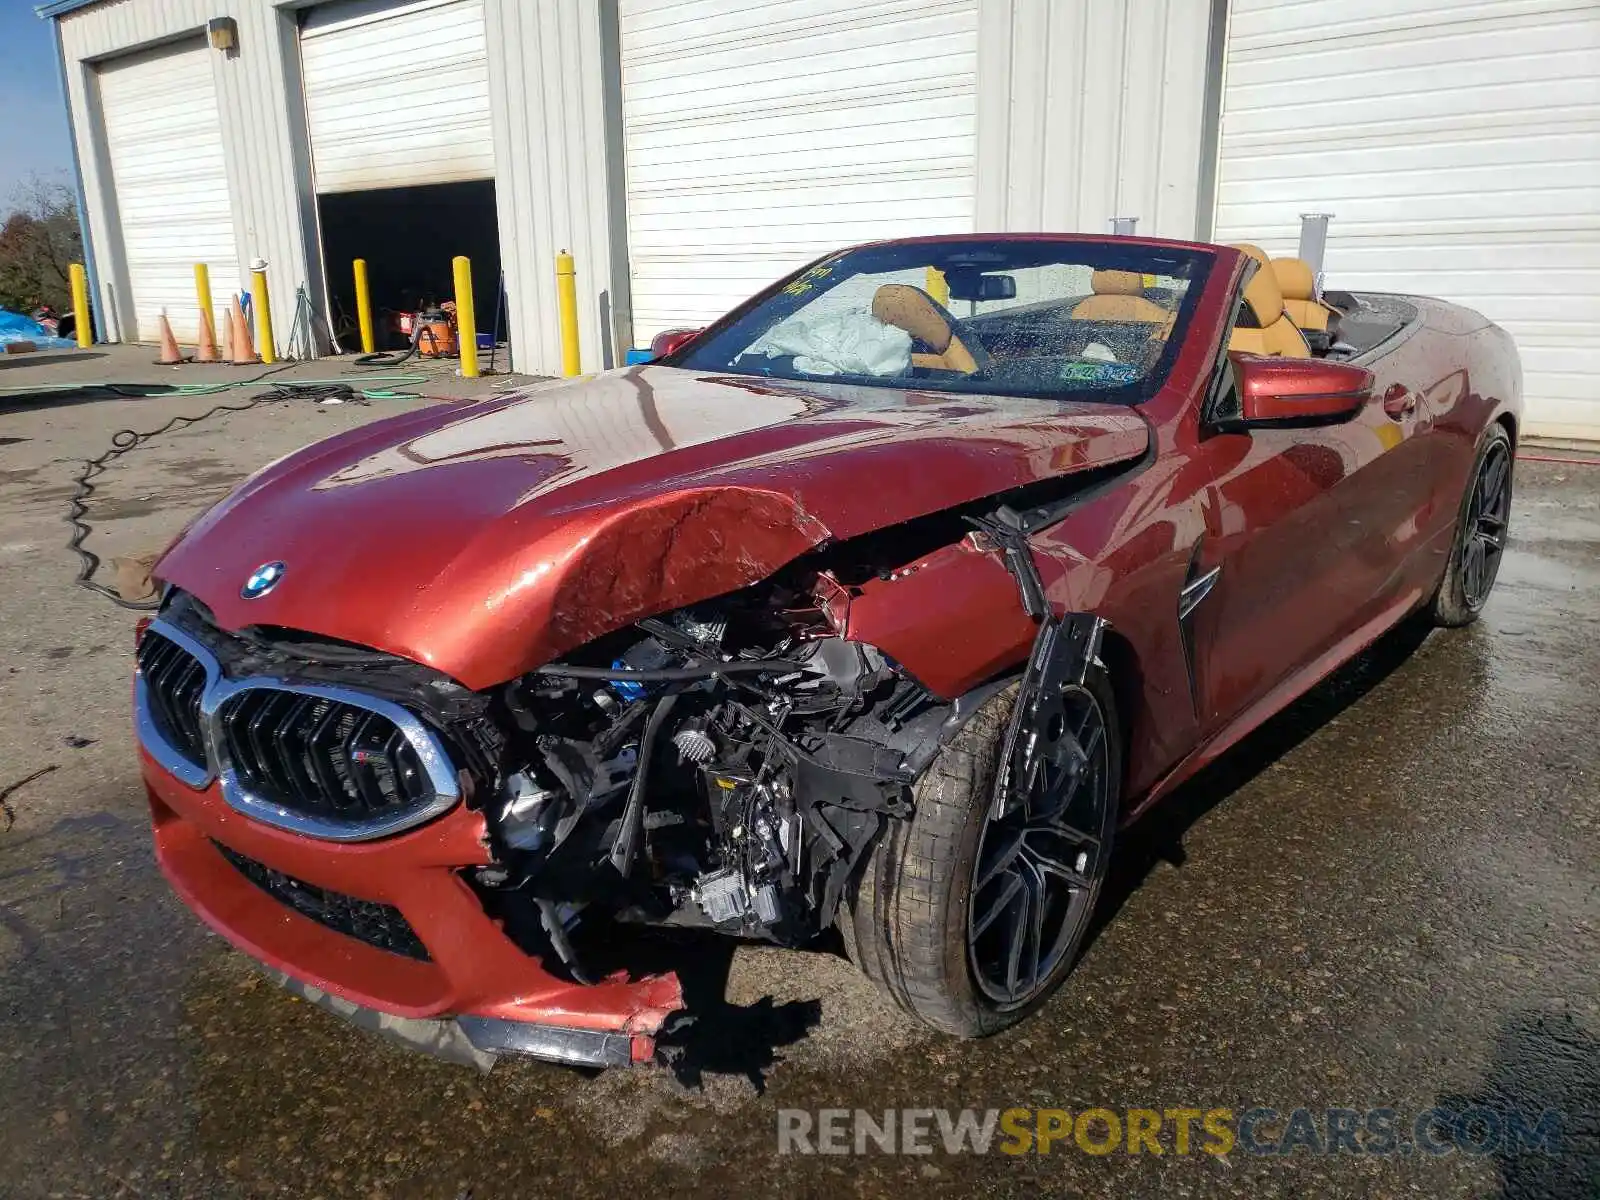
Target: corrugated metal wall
{"points": [[760, 138], [1090, 109], [547, 76], [1458, 146], [1087, 109], [396, 94], [161, 121], [269, 205]]}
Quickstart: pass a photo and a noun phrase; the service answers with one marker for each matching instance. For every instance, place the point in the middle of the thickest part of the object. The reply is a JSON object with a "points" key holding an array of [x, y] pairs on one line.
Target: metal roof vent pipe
{"points": [[1314, 240]]}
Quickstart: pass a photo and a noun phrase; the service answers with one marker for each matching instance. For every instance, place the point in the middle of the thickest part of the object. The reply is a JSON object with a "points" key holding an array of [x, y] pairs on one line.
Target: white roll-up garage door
{"points": [[164, 141], [397, 95], [1458, 147], [759, 136]]}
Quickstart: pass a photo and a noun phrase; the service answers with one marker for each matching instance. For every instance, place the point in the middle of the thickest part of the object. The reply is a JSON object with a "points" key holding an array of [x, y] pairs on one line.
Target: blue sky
{"points": [[33, 117]]}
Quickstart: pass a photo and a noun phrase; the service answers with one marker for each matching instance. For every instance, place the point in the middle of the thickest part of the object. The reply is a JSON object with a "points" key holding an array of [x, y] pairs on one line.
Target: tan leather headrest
{"points": [[912, 309], [1122, 309], [1117, 283], [1262, 293], [1295, 278]]}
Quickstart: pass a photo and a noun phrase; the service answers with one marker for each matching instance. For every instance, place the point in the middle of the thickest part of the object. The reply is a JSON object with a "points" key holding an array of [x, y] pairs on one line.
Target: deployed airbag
{"points": [[842, 343]]}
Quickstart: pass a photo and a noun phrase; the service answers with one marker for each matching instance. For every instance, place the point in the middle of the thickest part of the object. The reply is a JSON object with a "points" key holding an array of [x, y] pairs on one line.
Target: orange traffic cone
{"points": [[206, 349], [227, 337], [170, 353], [244, 351]]}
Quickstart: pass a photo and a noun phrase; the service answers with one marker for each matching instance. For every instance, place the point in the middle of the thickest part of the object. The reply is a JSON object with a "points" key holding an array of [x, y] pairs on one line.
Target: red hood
{"points": [[485, 540]]}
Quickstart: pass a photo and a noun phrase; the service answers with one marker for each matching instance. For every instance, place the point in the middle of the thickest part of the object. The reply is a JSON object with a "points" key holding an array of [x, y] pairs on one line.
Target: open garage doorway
{"points": [[408, 235], [397, 113]]}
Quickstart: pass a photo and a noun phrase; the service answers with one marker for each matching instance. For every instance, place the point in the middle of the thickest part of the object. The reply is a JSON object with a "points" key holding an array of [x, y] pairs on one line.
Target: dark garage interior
{"points": [[408, 236]]}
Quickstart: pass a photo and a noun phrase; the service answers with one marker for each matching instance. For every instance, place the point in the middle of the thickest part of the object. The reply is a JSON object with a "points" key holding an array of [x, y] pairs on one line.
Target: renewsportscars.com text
{"points": [[1179, 1131]]}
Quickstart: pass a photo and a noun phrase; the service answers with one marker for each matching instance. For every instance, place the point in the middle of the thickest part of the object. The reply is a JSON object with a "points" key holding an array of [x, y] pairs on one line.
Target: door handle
{"points": [[1399, 400]]}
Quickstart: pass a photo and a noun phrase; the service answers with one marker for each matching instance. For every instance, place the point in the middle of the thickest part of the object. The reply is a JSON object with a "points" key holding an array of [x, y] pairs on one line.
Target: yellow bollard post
{"points": [[262, 302], [80, 306], [364, 307], [567, 313], [938, 286], [202, 290], [466, 319]]}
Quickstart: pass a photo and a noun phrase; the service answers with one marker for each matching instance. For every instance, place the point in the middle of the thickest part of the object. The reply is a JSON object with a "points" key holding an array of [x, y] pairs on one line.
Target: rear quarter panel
{"points": [[1477, 379]]}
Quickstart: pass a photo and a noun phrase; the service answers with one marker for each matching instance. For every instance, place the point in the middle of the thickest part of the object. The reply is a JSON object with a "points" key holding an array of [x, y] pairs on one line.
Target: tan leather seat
{"points": [[1119, 296], [1298, 283], [912, 309], [1276, 333]]}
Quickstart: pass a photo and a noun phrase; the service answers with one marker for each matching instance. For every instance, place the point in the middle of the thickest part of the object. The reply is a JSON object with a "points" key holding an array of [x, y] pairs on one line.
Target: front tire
{"points": [[1482, 527], [969, 921]]}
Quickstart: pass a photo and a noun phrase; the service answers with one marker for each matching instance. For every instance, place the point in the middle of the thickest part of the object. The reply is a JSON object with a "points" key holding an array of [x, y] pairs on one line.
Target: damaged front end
{"points": [[724, 766]]}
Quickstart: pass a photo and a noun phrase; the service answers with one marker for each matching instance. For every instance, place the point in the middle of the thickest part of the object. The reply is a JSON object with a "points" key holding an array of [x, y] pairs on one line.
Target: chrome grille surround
{"points": [[148, 720], [442, 789]]}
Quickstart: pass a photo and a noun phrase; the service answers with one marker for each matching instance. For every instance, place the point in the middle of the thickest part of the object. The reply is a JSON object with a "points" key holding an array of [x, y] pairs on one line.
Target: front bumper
{"points": [[477, 994]]}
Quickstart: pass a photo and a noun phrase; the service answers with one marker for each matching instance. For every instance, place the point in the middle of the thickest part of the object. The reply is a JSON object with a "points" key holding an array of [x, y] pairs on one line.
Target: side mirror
{"points": [[1295, 393], [669, 341]]}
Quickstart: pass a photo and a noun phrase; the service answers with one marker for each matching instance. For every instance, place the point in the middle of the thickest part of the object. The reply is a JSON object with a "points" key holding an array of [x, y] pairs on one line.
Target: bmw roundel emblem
{"points": [[262, 580]]}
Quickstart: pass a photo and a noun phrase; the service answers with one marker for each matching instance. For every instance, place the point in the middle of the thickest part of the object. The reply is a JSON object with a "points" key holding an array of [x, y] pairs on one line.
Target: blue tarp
{"points": [[14, 327]]}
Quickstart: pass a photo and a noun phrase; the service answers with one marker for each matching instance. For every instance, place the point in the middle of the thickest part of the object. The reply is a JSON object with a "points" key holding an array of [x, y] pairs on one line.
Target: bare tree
{"points": [[39, 240]]}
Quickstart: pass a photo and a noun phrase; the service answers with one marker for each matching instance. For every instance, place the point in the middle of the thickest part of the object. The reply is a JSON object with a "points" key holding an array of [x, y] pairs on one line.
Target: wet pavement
{"points": [[1390, 897]]}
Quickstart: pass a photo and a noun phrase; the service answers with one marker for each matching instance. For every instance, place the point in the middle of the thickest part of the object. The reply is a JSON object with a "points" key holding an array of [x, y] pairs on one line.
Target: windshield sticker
{"points": [[808, 281], [1099, 372]]}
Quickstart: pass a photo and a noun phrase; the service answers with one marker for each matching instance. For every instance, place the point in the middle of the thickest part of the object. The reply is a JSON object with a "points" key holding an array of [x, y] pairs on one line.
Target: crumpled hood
{"points": [[485, 540]]}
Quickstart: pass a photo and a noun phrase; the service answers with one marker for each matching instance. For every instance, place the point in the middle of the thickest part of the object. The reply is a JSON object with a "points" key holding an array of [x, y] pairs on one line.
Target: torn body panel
{"points": [[953, 618]]}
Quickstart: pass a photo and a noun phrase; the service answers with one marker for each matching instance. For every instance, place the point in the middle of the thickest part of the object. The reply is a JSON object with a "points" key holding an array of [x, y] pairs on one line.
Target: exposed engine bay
{"points": [[724, 765]]}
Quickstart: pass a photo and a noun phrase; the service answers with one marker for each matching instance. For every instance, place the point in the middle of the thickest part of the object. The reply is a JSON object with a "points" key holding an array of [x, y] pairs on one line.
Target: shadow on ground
{"points": [[1538, 1107], [719, 1038], [99, 393], [1158, 836], [29, 360]]}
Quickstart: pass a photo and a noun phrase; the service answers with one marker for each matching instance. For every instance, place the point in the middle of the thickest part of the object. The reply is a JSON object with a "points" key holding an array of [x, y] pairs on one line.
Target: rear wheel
{"points": [[1482, 528], [968, 916]]}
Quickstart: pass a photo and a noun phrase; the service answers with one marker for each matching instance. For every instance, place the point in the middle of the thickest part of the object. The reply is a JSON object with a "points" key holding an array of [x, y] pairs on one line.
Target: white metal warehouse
{"points": [[689, 151]]}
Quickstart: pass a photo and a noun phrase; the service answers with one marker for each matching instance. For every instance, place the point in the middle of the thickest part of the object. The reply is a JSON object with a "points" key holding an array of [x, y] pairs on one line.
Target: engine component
{"points": [[626, 846], [694, 744], [721, 895], [768, 907], [647, 655], [523, 822], [784, 773], [708, 631]]}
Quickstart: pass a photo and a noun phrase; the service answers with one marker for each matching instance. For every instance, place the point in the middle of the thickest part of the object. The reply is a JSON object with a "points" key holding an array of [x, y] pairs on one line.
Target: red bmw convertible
{"points": [[878, 606]]}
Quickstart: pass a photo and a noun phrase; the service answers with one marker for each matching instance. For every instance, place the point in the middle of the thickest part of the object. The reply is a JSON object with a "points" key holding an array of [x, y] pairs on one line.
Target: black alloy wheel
{"points": [[1488, 519], [1042, 856]]}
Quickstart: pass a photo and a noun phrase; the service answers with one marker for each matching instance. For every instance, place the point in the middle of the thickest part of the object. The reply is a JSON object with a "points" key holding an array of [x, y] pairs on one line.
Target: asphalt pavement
{"points": [[1388, 899]]}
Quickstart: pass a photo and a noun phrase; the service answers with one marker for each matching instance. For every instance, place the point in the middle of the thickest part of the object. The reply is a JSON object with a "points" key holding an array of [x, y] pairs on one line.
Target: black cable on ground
{"points": [[384, 359], [380, 358], [125, 440]]}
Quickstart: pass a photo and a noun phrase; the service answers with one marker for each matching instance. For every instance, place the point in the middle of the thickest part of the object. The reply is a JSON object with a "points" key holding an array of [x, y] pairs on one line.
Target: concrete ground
{"points": [[1388, 898]]}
